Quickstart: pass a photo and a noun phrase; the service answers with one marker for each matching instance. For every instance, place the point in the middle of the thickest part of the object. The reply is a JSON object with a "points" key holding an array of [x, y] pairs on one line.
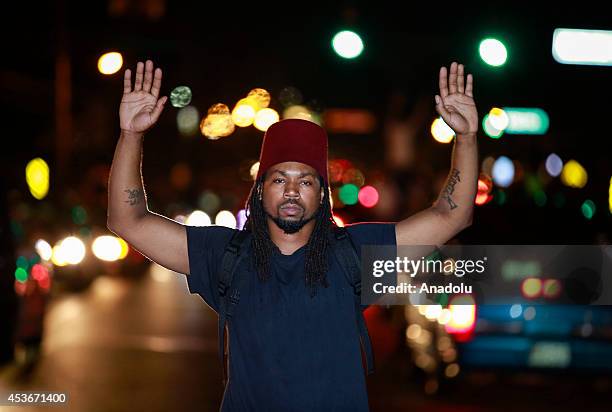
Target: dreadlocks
{"points": [[316, 248]]}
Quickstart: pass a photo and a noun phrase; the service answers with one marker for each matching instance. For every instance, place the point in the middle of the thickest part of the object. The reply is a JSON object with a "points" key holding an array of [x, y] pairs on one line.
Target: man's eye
{"points": [[278, 180], [306, 183]]}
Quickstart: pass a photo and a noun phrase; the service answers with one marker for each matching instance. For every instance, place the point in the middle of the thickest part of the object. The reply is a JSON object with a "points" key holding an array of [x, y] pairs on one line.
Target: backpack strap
{"points": [[228, 296], [350, 263]]}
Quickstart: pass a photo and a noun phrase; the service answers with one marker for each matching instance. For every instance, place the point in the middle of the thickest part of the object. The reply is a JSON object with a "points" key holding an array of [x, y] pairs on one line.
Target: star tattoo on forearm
{"points": [[135, 196], [450, 188]]}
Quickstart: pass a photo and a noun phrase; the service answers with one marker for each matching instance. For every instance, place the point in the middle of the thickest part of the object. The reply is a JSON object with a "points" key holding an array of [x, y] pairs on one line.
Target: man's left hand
{"points": [[456, 100]]}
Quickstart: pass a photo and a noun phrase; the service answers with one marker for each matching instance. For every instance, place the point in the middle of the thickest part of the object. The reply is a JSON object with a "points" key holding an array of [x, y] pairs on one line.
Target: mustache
{"points": [[292, 203]]}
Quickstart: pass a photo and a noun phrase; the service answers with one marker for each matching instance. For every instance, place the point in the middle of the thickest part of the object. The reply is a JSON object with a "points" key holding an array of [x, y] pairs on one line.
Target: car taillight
{"points": [[463, 317]]}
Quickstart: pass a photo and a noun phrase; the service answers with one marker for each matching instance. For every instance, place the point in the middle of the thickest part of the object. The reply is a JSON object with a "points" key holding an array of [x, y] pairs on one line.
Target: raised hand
{"points": [[140, 107], [456, 100]]}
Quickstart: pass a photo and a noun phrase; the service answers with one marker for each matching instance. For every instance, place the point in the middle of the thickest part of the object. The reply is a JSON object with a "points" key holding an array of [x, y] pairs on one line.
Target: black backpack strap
{"points": [[349, 261], [228, 296]]}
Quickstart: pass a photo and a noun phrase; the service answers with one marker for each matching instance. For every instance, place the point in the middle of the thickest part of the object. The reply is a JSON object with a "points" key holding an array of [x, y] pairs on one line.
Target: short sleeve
{"points": [[371, 234], [205, 245]]}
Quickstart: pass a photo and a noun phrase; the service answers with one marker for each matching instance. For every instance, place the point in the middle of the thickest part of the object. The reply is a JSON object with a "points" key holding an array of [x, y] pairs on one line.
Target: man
{"points": [[294, 344]]}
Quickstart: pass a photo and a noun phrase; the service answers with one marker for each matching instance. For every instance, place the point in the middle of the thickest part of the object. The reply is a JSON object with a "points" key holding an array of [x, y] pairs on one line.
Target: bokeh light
{"points": [[37, 177], [209, 202], [180, 96], [198, 218], [349, 194], [503, 171], [39, 272], [218, 122], [110, 63], [531, 288], [489, 129], [498, 118], [72, 250], [180, 176], [610, 196], [188, 120], [516, 310], [554, 165], [107, 248], [551, 288], [578, 46], [58, 257], [260, 96], [463, 314], [43, 248], [540, 198], [79, 215], [493, 52], [442, 132], [124, 248], [21, 275], [487, 165], [254, 170], [347, 44], [529, 313], [527, 120], [574, 175], [368, 196], [225, 218], [265, 118], [241, 219], [588, 209], [354, 176], [483, 194], [243, 114], [297, 112]]}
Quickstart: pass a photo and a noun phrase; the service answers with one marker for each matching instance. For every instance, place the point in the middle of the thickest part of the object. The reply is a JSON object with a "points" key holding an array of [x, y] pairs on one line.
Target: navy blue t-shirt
{"points": [[287, 351]]}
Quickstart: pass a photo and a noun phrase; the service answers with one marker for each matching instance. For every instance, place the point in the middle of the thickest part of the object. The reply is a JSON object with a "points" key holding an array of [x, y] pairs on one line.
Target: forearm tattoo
{"points": [[135, 196], [450, 188]]}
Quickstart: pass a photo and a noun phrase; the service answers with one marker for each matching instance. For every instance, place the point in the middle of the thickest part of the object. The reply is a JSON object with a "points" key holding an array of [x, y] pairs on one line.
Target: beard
{"points": [[290, 226]]}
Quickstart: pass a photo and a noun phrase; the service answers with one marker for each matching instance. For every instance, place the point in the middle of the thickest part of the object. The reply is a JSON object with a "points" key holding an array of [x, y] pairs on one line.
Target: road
{"points": [[148, 345]]}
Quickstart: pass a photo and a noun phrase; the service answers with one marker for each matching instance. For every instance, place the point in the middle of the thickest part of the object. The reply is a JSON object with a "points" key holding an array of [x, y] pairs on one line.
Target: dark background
{"points": [[221, 51]]}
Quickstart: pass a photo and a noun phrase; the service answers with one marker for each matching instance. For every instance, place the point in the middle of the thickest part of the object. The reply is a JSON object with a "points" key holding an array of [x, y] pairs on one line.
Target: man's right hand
{"points": [[140, 107]]}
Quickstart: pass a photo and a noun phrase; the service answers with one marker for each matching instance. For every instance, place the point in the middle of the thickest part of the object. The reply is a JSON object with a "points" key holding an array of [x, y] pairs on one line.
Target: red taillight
{"points": [[463, 317]]}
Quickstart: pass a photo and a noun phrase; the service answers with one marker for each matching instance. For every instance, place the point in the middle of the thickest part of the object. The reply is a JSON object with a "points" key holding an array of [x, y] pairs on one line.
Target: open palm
{"points": [[140, 107], [456, 100]]}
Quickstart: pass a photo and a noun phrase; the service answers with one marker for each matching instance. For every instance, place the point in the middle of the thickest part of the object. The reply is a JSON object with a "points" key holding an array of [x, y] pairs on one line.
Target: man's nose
{"points": [[291, 190]]}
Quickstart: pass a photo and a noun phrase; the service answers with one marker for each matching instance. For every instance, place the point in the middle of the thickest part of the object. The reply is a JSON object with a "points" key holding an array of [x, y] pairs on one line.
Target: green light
{"points": [[21, 275], [34, 259], [347, 44], [493, 52], [22, 262], [79, 215], [349, 194], [576, 46], [559, 200], [588, 209], [17, 229], [526, 120], [540, 198], [442, 299], [532, 184], [488, 128], [501, 197]]}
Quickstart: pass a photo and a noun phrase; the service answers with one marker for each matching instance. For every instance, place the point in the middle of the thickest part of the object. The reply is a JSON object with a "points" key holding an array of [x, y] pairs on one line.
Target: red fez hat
{"points": [[294, 140]]}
